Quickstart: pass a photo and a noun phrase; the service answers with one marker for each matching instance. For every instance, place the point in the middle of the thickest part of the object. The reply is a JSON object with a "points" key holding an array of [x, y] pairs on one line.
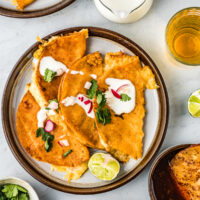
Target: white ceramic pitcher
{"points": [[123, 11]]}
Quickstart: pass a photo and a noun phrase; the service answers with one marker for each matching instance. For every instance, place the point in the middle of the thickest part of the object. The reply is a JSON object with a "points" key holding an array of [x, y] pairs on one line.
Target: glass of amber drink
{"points": [[183, 36]]}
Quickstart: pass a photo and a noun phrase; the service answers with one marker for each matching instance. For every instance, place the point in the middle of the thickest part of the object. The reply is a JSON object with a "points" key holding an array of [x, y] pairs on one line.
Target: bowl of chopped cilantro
{"points": [[16, 189]]}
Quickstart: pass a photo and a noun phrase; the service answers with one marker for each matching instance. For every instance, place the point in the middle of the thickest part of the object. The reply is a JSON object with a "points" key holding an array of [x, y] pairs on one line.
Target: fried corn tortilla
{"points": [[185, 168], [26, 128], [125, 134], [66, 49], [71, 85], [20, 4]]}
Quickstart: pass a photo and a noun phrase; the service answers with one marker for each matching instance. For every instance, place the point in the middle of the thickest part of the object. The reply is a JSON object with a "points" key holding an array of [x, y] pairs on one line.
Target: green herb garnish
{"points": [[56, 102], [39, 132], [47, 108], [67, 153], [46, 137], [103, 115], [53, 100], [125, 97], [13, 192], [92, 91], [101, 99], [49, 75], [48, 145]]}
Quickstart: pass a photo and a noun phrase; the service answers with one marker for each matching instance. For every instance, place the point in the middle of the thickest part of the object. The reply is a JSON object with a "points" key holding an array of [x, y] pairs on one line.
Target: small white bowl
{"points": [[17, 181]]}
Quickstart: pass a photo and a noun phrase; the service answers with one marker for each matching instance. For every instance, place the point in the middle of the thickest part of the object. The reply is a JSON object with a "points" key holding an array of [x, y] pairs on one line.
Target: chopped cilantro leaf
{"points": [[92, 91], [13, 192], [49, 75], [101, 99], [23, 196], [2, 196], [47, 108], [125, 97], [103, 115], [67, 153], [48, 145], [10, 190], [46, 137], [21, 189], [53, 100], [39, 132]]}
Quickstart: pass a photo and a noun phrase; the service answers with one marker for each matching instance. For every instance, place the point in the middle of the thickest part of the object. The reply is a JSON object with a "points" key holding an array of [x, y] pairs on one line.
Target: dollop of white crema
{"points": [[70, 101], [117, 105], [50, 63]]}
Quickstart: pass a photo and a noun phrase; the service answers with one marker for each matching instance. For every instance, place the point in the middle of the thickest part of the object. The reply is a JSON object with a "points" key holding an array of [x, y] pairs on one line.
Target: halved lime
{"points": [[194, 104], [104, 166]]}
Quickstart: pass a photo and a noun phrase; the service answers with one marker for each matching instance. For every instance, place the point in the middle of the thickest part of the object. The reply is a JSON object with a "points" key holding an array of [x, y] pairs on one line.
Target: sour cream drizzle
{"points": [[79, 99], [76, 72], [42, 116], [43, 113], [117, 105], [49, 62], [94, 76]]}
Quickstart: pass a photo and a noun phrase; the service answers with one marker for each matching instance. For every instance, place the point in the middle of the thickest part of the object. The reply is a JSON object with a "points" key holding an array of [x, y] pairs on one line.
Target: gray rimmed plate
{"points": [[155, 122], [36, 9]]}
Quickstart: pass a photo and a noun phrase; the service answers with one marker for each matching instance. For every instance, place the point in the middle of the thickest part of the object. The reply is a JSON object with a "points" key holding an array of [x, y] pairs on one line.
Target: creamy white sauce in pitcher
{"points": [[123, 11], [122, 7]]}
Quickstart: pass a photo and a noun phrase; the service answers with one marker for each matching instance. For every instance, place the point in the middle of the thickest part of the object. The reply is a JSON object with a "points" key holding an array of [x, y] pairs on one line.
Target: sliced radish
{"points": [[115, 94], [87, 102], [91, 106], [81, 99], [60, 143], [63, 143], [121, 87], [49, 126]]}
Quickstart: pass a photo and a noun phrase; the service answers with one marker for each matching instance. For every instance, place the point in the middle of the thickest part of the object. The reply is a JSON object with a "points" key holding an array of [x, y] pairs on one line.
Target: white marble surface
{"points": [[16, 35]]}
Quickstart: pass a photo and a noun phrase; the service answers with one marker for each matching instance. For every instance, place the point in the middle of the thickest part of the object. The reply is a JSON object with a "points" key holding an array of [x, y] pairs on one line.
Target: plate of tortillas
{"points": [[84, 110]]}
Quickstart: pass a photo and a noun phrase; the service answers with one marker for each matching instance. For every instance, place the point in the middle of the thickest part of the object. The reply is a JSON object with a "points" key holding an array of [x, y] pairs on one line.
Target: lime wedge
{"points": [[103, 166], [194, 104]]}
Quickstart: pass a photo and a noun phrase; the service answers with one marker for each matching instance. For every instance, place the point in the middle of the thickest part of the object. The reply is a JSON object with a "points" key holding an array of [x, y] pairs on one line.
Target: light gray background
{"points": [[16, 35]]}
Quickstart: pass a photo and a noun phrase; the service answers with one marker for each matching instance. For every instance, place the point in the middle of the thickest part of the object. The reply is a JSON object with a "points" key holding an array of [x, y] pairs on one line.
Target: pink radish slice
{"points": [[81, 99], [49, 126], [91, 106], [87, 102], [115, 94], [60, 143], [121, 87]]}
